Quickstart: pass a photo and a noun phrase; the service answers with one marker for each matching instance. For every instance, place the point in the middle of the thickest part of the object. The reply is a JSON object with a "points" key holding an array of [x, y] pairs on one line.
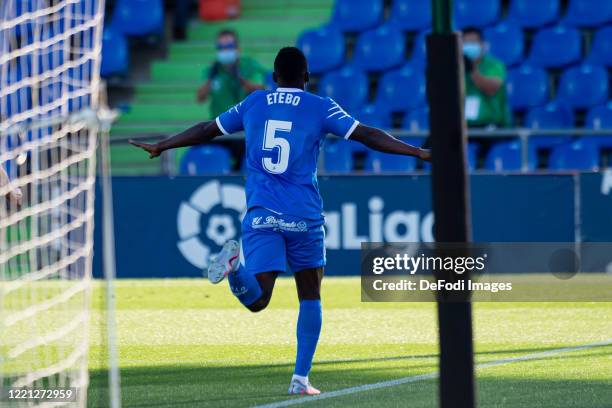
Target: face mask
{"points": [[472, 50], [227, 57]]}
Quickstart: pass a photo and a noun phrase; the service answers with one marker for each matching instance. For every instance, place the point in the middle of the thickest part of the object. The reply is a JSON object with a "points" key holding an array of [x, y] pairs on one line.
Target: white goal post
{"points": [[50, 55]]}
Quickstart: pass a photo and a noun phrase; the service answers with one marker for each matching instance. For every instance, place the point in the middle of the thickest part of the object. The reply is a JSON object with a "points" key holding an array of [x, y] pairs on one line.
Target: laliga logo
{"points": [[220, 227]]}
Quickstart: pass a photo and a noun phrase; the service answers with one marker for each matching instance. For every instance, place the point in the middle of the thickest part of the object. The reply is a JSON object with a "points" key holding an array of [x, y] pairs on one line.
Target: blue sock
{"points": [[244, 286], [309, 324]]}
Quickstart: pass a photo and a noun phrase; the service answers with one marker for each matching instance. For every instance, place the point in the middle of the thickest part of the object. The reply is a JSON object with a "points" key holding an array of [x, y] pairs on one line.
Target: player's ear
{"points": [[306, 76]]}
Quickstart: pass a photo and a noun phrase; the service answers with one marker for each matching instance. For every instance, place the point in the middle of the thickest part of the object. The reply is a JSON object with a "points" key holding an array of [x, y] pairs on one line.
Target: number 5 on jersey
{"points": [[272, 141]]}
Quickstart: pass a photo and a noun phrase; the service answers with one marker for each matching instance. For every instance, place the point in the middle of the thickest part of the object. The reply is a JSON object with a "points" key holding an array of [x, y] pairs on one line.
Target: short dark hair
{"points": [[290, 64], [473, 30], [228, 31]]}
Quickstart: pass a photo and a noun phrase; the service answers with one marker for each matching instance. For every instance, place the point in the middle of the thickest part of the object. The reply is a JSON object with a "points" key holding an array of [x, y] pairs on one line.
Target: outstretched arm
{"points": [[201, 133], [380, 140]]}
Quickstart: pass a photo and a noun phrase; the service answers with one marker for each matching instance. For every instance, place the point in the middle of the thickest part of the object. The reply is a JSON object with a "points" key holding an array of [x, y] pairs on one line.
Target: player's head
{"points": [[473, 43], [227, 47], [290, 68]]}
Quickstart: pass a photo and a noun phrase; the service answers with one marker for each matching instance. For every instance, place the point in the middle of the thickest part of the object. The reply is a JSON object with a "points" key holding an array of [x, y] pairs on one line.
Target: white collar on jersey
{"points": [[289, 90]]}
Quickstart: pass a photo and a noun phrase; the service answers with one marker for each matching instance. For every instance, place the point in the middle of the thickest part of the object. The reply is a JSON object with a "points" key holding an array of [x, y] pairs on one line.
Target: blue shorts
{"points": [[270, 241]]}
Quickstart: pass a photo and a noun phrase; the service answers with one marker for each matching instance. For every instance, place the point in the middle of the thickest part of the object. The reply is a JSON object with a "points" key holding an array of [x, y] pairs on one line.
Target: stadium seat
{"points": [[348, 86], [401, 90], [114, 53], [411, 15], [556, 47], [417, 119], [379, 49], [323, 47], [357, 15], [553, 115], [577, 155], [338, 157], [533, 14], [418, 56], [374, 115], [600, 117], [527, 86], [377, 162], [475, 13], [506, 42], [588, 13], [138, 17], [208, 159], [507, 156], [601, 49], [584, 86]]}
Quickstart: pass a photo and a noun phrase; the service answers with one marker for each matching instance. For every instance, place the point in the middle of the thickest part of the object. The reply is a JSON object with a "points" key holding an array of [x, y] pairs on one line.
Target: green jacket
{"points": [[226, 90], [482, 109]]}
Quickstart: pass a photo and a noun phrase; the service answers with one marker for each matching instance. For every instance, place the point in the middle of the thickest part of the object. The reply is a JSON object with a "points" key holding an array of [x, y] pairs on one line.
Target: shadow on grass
{"points": [[246, 385]]}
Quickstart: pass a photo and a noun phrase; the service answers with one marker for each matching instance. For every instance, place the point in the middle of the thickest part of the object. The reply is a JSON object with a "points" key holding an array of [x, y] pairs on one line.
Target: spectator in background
{"points": [[231, 77], [486, 103]]}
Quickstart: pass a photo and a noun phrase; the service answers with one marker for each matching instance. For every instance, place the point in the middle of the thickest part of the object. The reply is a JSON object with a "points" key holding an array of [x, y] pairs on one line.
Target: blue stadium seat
{"points": [[417, 119], [577, 155], [348, 86], [323, 47], [507, 156], [338, 157], [506, 42], [600, 117], [476, 13], [553, 115], [411, 15], [601, 48], [556, 47], [418, 56], [401, 90], [588, 13], [114, 53], [533, 14], [357, 15], [379, 49], [374, 115], [584, 86], [138, 17], [207, 159], [527, 86], [377, 162]]}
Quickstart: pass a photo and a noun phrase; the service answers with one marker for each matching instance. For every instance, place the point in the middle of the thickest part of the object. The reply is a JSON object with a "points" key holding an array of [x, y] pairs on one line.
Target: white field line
{"points": [[428, 376]]}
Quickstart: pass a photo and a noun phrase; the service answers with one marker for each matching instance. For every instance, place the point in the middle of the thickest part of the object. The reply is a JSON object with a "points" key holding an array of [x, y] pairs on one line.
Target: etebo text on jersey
{"points": [[288, 98]]}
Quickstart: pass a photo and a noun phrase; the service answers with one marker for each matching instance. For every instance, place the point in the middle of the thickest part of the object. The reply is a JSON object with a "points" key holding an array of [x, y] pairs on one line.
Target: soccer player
{"points": [[284, 130]]}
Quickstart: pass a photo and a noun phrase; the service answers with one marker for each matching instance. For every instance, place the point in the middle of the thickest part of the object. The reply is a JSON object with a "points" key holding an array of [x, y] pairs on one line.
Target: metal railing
{"points": [[168, 165]]}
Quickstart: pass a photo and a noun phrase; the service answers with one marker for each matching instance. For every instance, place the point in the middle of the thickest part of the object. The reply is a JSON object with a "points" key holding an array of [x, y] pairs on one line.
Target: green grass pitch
{"points": [[187, 343]]}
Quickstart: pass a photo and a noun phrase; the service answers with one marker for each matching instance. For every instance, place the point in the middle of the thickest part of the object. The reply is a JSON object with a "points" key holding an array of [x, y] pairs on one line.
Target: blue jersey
{"points": [[285, 130]]}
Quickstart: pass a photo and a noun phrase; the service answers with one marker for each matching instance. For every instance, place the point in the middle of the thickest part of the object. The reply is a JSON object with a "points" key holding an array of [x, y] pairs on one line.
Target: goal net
{"points": [[49, 83]]}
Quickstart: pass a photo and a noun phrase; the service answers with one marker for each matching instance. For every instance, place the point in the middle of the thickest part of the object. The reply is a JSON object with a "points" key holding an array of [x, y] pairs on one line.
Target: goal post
{"points": [[50, 123]]}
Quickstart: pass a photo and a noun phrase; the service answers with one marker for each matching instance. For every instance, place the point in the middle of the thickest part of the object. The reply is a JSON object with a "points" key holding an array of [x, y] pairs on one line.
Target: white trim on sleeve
{"points": [[351, 130], [221, 128]]}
